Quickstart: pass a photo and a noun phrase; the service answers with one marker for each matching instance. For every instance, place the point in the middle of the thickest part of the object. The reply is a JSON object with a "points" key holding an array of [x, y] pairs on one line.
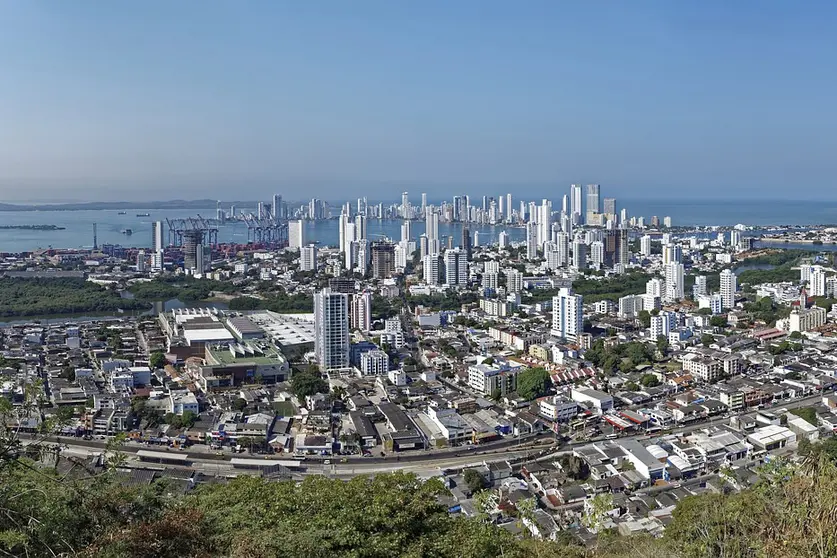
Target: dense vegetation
{"points": [[610, 288], [277, 302], [533, 383], [789, 513], [185, 288], [624, 357], [451, 300], [35, 297]]}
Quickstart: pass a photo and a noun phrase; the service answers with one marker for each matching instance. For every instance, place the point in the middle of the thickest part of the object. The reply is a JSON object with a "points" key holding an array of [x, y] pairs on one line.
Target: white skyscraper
{"points": [[331, 329], [817, 284], [552, 257], [645, 246], [503, 239], [672, 253], [593, 206], [423, 201], [655, 287], [735, 238], [567, 315], [158, 243], [431, 222], [700, 288], [674, 282], [509, 210], [660, 325], [296, 235], [545, 222], [360, 227], [308, 258], [579, 253], [514, 281], [361, 311], [729, 284], [431, 265], [575, 204], [597, 253], [405, 205], [531, 240], [456, 267], [407, 231]]}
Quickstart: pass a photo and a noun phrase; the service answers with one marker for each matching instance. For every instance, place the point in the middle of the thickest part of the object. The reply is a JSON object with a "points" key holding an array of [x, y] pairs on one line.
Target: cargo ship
{"points": [[143, 215]]}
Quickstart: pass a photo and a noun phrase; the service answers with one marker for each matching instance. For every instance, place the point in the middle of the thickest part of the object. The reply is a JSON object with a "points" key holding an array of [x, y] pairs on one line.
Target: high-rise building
{"points": [[405, 206], [192, 243], [609, 208], [308, 258], [141, 261], [616, 248], [423, 201], [655, 287], [597, 254], [407, 230], [672, 253], [276, 207], [645, 246], [432, 266], [729, 284], [158, 244], [667, 222], [514, 281], [431, 228], [531, 240], [817, 283], [424, 246], [360, 312], [700, 287], [567, 315], [579, 254], [331, 329], [503, 239], [660, 325], [509, 210], [465, 243], [675, 288], [383, 260], [545, 222], [575, 204], [593, 203], [296, 234], [456, 268], [261, 212], [360, 227]]}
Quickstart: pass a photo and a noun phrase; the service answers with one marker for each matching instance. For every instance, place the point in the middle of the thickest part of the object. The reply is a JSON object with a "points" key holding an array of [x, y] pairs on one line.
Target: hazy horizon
{"points": [[333, 100]]}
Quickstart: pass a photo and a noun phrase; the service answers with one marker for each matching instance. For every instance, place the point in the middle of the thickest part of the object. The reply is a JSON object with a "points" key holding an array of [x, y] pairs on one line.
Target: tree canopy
{"points": [[533, 383]]}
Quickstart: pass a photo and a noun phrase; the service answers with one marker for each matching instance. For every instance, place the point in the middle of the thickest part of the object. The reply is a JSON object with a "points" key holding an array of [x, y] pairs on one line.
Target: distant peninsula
{"points": [[32, 227], [81, 206]]}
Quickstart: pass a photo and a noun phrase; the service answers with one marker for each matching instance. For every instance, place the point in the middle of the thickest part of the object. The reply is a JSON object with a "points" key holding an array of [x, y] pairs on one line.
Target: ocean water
{"points": [[78, 225]]}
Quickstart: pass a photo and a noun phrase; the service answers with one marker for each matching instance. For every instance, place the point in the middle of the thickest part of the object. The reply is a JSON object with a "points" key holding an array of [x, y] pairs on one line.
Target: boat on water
{"points": [[143, 215], [129, 232], [121, 213]]}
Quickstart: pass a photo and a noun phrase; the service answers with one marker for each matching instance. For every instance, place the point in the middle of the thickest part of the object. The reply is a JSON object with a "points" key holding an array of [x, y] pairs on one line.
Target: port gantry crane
{"points": [[266, 230], [190, 226]]}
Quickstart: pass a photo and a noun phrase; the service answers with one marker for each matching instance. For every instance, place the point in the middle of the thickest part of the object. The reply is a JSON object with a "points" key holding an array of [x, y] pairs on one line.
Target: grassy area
{"points": [[284, 408]]}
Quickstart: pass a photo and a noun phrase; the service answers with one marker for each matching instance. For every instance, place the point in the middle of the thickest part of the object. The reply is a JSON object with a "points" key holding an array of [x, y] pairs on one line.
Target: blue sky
{"points": [[117, 100]]}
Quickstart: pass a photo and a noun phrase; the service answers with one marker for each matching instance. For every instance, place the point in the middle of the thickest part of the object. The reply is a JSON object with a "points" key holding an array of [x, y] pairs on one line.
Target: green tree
{"points": [[649, 380], [718, 321], [533, 383], [473, 480], [706, 339], [662, 345], [496, 395], [239, 404], [157, 360], [644, 317], [308, 383]]}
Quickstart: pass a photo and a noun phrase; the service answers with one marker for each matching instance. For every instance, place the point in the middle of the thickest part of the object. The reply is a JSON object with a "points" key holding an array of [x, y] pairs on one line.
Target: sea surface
{"points": [[78, 225]]}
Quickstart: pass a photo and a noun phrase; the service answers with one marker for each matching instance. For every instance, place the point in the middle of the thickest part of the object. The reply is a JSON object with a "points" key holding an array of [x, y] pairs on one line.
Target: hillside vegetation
{"points": [[790, 513]]}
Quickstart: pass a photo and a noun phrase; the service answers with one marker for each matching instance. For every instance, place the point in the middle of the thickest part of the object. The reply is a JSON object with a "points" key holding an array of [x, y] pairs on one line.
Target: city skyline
{"points": [[652, 101]]}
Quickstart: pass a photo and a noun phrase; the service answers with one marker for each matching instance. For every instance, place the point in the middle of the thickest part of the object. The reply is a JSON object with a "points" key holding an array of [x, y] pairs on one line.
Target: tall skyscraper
{"points": [[276, 207], [192, 244], [158, 244], [645, 246], [361, 311], [593, 208], [308, 258], [432, 266], [531, 240], [609, 208], [729, 284], [616, 248], [465, 243], [575, 203], [456, 268], [567, 315], [383, 260], [423, 202], [545, 222], [296, 235], [432, 230], [331, 329], [509, 209], [261, 213], [514, 281], [407, 231], [700, 288], [405, 206], [675, 287], [360, 227], [503, 239], [579, 254]]}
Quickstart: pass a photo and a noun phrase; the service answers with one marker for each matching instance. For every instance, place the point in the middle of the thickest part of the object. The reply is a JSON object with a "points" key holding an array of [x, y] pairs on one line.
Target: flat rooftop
{"points": [[285, 329], [228, 354]]}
